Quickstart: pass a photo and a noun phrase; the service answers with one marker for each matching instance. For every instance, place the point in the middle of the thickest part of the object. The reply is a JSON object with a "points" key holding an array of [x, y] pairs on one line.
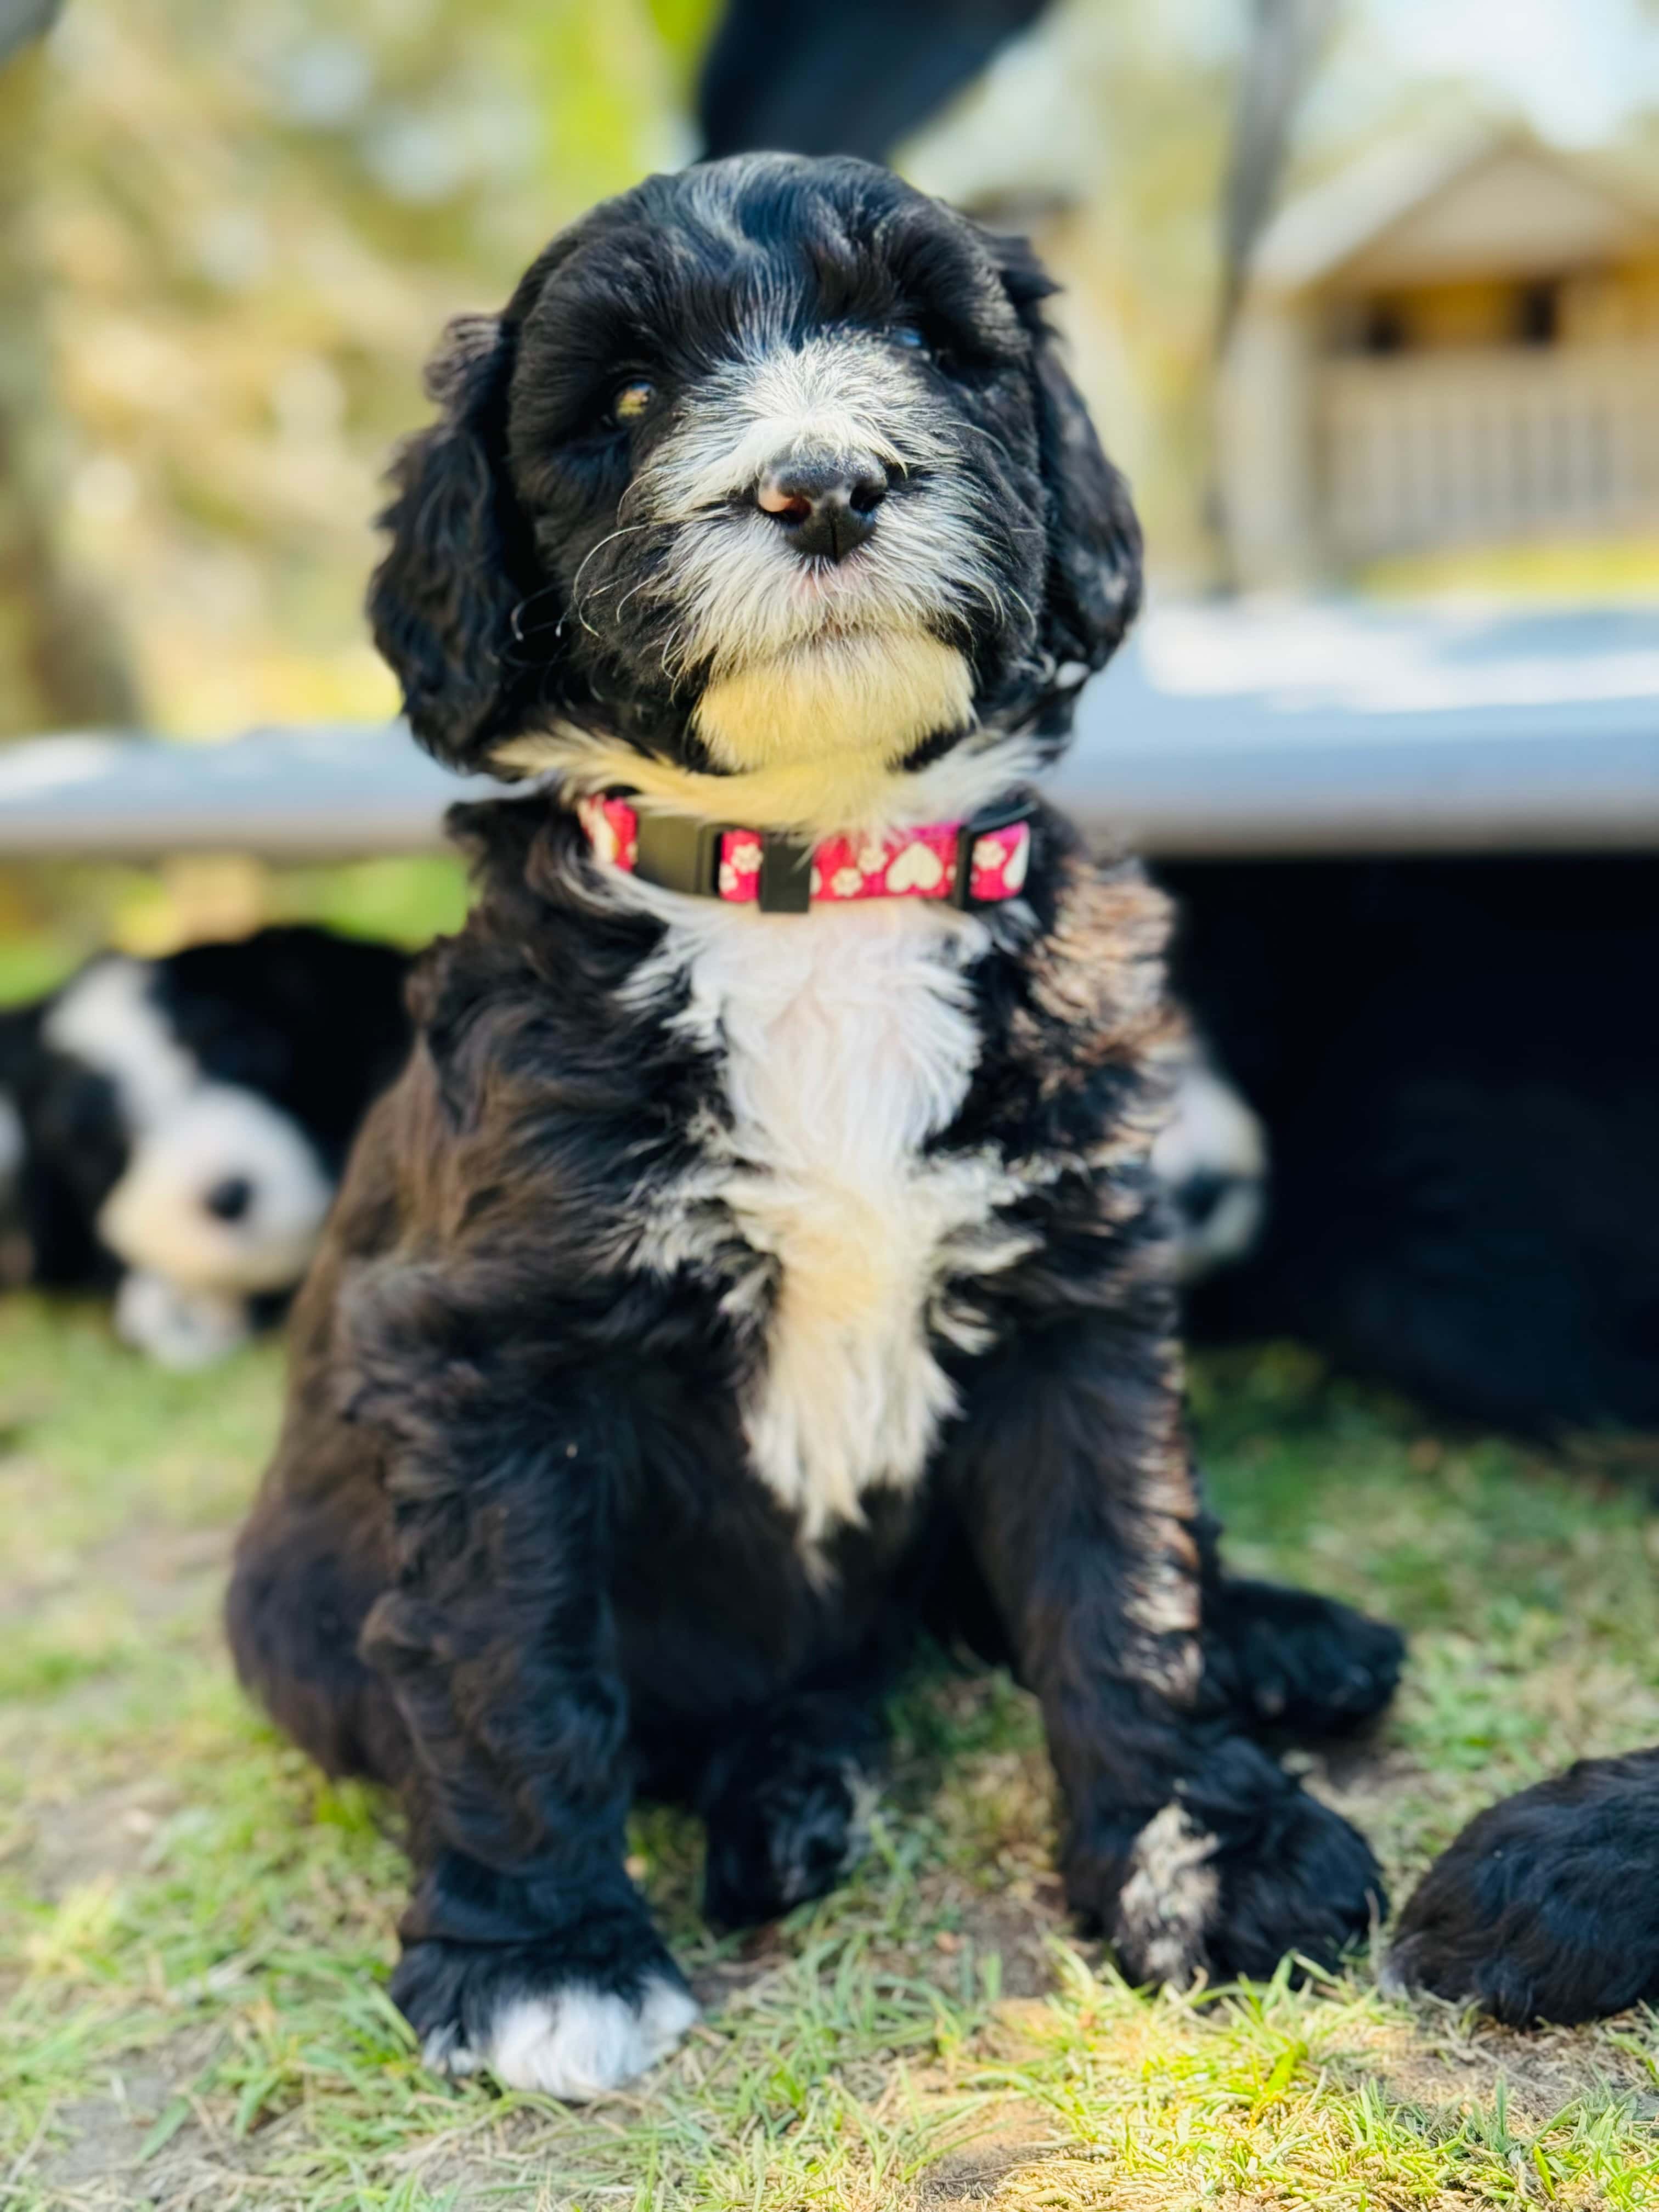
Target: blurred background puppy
{"points": [[172, 1129], [1439, 1059]]}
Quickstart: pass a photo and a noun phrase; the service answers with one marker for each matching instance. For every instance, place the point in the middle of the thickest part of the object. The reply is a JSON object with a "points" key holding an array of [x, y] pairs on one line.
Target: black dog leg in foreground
{"points": [[1185, 1842], [761, 1255], [1546, 1906]]}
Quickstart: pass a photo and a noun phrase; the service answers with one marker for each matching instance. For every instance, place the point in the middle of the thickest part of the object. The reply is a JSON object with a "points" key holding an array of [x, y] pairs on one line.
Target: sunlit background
{"points": [[229, 233]]}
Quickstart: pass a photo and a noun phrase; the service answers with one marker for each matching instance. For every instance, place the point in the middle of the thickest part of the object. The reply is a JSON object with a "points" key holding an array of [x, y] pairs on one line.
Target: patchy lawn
{"points": [[194, 1931]]}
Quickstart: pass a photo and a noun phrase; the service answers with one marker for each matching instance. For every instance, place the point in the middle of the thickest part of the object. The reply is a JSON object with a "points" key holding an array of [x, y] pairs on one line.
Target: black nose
{"points": [[1199, 1197], [230, 1197], [827, 508]]}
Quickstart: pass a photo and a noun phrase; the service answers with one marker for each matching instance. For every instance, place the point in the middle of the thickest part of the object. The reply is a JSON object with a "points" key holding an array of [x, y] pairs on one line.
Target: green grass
{"points": [[56, 915], [195, 1930]]}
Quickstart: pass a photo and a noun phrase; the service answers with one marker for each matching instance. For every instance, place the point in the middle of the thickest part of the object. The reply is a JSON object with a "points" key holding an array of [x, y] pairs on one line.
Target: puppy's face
{"points": [[204, 1183], [768, 472]]}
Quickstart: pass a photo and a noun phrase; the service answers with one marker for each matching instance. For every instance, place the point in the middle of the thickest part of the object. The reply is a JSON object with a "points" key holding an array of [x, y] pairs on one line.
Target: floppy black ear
{"points": [[1094, 537], [444, 602]]}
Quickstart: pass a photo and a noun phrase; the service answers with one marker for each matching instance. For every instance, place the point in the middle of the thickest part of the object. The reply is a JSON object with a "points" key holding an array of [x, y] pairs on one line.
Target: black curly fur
{"points": [[514, 1557], [1546, 1906]]}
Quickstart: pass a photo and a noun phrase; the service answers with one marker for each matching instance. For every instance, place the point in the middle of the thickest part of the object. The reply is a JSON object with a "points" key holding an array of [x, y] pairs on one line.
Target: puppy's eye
{"points": [[631, 401], [908, 335]]}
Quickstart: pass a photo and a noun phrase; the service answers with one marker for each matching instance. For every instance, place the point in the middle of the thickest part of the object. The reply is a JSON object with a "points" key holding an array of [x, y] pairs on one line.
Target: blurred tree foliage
{"points": [[230, 232], [248, 220], [59, 661]]}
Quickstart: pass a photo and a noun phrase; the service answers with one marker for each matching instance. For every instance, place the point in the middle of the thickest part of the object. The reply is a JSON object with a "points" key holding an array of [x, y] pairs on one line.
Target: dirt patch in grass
{"points": [[73, 1841], [979, 2173], [106, 2134], [1445, 2061]]}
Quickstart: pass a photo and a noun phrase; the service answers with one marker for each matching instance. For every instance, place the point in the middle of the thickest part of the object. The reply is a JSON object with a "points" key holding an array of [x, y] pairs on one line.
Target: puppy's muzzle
{"points": [[826, 506]]}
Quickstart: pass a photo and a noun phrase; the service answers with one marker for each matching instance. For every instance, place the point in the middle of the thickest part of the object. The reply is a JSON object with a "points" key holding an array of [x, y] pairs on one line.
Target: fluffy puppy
{"points": [[1465, 1190], [176, 1127], [1546, 1906], [759, 1257]]}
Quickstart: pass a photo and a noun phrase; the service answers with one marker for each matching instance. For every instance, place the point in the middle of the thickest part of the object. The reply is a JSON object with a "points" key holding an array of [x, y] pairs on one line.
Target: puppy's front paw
{"points": [[177, 1326], [1546, 1906], [1290, 1661], [1241, 1868], [783, 1832], [575, 2042], [538, 2017]]}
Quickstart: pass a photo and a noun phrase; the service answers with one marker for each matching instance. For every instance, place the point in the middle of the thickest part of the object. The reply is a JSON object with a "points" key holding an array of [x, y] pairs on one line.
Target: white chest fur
{"points": [[847, 1040]]}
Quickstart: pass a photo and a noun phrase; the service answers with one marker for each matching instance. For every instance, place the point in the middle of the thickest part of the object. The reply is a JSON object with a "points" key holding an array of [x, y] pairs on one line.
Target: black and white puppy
{"points": [[760, 1257], [174, 1128]]}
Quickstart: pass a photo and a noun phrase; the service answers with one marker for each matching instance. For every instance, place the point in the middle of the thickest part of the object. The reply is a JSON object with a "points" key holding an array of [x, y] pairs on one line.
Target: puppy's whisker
{"points": [[515, 620], [624, 529], [981, 430], [615, 612]]}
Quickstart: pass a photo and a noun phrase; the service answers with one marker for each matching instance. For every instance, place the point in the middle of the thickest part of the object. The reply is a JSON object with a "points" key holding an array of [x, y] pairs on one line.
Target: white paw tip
{"points": [[1392, 1979], [576, 2043], [444, 2052], [1168, 1904]]}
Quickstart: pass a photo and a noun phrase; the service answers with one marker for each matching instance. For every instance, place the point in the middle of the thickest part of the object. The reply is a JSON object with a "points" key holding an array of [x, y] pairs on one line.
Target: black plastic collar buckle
{"points": [[679, 853], [992, 817], [683, 854], [785, 874]]}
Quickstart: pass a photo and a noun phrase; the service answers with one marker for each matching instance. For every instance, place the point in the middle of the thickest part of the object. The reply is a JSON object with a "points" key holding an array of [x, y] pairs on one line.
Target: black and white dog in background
{"points": [[761, 1257], [1465, 1157], [174, 1128]]}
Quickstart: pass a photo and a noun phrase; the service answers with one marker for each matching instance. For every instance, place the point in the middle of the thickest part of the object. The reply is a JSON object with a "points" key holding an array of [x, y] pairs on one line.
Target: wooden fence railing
{"points": [[1439, 449]]}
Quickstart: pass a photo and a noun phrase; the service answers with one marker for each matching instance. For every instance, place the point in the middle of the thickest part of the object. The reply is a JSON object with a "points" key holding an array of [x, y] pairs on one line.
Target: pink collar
{"points": [[973, 863]]}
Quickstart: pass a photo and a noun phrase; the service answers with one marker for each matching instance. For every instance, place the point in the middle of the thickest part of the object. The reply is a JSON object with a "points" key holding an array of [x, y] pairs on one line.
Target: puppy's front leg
{"points": [[527, 1949], [1183, 1841]]}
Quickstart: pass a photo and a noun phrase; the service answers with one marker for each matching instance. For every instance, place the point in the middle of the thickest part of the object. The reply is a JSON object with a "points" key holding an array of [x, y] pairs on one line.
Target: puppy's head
{"points": [[769, 474], [138, 1154]]}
